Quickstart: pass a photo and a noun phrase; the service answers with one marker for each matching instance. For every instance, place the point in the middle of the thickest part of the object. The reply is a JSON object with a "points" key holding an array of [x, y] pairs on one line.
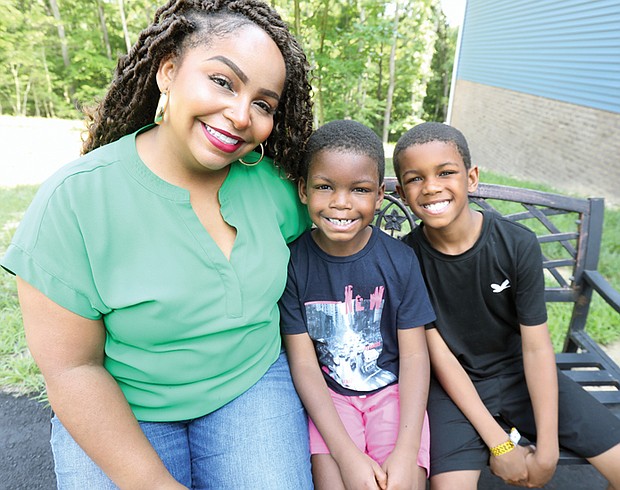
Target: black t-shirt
{"points": [[481, 297], [352, 307]]}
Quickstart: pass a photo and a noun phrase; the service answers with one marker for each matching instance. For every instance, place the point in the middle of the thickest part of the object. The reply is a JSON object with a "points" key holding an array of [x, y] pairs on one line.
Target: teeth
{"points": [[340, 222], [222, 137], [436, 207]]}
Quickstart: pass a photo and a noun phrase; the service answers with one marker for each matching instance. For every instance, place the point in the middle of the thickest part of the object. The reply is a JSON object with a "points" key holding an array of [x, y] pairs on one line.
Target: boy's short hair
{"points": [[345, 136], [428, 132]]}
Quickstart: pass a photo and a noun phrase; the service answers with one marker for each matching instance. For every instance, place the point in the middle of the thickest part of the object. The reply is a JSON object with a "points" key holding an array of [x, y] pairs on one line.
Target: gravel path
{"points": [[25, 455]]}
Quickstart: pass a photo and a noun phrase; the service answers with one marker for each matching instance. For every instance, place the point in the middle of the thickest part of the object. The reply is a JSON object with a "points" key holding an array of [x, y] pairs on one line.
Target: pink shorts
{"points": [[372, 422]]}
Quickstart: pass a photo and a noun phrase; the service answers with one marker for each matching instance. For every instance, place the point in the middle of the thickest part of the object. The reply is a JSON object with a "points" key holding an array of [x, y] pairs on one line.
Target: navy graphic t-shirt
{"points": [[352, 307]]}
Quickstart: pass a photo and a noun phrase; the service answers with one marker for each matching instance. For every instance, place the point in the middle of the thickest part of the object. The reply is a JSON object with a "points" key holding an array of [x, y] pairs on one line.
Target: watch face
{"points": [[515, 437]]}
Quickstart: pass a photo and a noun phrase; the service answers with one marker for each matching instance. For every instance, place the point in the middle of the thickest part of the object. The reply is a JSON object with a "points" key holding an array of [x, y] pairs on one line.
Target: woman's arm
{"points": [[357, 469], [69, 351], [510, 466], [413, 380], [542, 384]]}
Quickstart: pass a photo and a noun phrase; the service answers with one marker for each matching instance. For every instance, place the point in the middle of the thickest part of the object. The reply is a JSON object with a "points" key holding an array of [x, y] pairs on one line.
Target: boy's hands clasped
{"points": [[360, 471], [523, 467], [511, 466], [540, 470], [400, 470]]}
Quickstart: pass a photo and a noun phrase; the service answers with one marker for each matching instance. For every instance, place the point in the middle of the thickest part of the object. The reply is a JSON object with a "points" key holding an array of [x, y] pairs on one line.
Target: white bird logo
{"points": [[497, 288]]}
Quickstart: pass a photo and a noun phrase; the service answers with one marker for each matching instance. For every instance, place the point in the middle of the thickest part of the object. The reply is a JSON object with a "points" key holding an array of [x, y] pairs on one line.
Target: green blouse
{"points": [[187, 329]]}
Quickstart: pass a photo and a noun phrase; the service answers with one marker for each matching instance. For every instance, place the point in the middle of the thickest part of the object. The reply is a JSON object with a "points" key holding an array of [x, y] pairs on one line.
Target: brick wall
{"points": [[573, 148]]}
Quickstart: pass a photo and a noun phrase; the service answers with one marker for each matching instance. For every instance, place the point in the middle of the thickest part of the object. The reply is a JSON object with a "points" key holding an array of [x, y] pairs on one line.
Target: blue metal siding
{"points": [[561, 49]]}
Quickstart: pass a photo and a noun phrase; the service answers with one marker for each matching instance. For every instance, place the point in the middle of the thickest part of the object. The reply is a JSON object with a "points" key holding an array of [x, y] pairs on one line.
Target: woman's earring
{"points": [[162, 105], [262, 155]]}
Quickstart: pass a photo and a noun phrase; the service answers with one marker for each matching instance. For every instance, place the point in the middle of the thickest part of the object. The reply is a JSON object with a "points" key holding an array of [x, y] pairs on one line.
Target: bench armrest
{"points": [[604, 288]]}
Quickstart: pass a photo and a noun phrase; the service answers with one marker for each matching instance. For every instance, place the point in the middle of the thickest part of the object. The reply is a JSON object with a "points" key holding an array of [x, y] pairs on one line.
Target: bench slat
{"points": [[591, 378], [567, 360]]}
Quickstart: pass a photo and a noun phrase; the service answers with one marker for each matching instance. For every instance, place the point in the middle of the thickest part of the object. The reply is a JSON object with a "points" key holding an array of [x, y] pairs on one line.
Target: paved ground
{"points": [[25, 455], [32, 149], [26, 459]]}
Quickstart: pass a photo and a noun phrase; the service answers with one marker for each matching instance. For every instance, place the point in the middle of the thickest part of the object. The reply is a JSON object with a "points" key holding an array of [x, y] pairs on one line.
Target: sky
{"points": [[453, 9]]}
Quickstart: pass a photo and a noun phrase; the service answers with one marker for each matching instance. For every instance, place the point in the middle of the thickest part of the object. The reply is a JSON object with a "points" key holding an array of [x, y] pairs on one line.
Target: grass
{"points": [[603, 321], [19, 374]]}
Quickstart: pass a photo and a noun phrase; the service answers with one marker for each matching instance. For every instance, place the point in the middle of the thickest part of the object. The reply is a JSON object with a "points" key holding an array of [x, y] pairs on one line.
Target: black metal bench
{"points": [[569, 231]]}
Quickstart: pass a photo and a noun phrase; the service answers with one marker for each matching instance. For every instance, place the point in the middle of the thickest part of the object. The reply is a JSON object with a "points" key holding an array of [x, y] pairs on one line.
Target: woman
{"points": [[149, 269]]}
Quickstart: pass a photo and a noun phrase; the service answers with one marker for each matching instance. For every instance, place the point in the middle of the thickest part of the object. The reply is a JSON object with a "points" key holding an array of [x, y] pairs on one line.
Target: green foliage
{"points": [[17, 368], [348, 43], [35, 80], [438, 89], [18, 372]]}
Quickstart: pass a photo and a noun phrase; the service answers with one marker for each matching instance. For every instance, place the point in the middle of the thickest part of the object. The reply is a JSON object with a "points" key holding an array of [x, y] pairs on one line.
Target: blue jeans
{"points": [[257, 441]]}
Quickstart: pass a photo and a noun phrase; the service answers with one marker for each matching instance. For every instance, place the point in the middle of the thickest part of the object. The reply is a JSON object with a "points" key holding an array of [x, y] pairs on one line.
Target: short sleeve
{"points": [[530, 290], [48, 251], [292, 214], [292, 318]]}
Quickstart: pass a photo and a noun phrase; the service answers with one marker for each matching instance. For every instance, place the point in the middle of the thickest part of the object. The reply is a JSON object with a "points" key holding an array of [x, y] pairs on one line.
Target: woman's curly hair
{"points": [[131, 99]]}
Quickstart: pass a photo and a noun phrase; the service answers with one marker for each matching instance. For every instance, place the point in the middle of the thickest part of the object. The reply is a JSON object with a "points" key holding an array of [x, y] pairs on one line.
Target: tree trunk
{"points": [[104, 30], [18, 98], [50, 91], [297, 20], [390, 92], [322, 34], [61, 33], [361, 88], [121, 6], [69, 89], [379, 94], [25, 97], [37, 107]]}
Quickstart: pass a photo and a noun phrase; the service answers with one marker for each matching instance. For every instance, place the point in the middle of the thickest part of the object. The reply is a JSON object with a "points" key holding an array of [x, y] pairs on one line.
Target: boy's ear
{"points": [[401, 194], [472, 179], [302, 190], [380, 196]]}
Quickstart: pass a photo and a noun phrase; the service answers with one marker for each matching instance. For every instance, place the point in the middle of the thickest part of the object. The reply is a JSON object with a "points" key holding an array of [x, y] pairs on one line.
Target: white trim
{"points": [[455, 65]]}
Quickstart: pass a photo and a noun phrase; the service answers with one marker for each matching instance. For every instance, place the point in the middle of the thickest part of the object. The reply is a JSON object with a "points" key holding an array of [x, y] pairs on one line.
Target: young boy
{"points": [[353, 299], [490, 350]]}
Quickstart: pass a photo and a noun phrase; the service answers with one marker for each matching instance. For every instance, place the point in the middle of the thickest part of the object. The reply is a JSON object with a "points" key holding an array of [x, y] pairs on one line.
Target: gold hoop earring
{"points": [[262, 155], [162, 105]]}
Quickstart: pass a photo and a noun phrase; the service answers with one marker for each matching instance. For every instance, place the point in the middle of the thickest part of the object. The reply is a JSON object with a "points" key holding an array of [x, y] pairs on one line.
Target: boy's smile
{"points": [[437, 207], [342, 193]]}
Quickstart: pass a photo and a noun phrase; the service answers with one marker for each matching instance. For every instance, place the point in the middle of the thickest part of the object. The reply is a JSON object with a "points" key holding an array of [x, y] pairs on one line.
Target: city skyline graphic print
{"points": [[348, 341]]}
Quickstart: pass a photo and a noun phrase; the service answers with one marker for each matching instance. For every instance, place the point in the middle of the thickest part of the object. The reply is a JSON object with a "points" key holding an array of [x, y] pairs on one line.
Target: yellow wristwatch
{"points": [[509, 445]]}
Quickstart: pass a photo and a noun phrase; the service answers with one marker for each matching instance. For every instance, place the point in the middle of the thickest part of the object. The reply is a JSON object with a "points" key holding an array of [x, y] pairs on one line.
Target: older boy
{"points": [[490, 350]]}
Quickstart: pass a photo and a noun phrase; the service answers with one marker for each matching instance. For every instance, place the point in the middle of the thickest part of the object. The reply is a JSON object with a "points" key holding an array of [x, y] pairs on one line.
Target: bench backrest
{"points": [[569, 231]]}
